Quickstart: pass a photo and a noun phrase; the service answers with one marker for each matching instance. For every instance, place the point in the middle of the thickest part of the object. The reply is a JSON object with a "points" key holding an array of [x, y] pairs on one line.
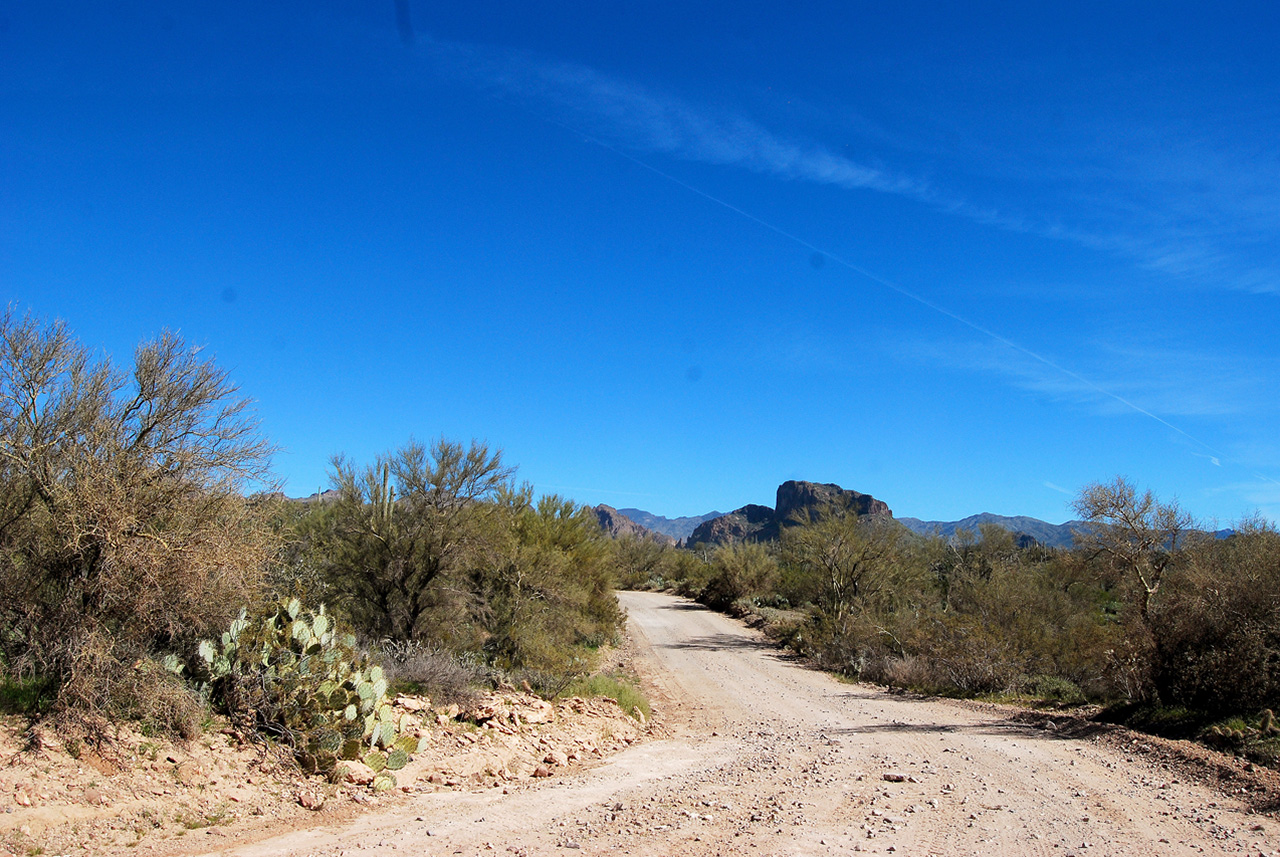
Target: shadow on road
{"points": [[1028, 724], [686, 605], [723, 642]]}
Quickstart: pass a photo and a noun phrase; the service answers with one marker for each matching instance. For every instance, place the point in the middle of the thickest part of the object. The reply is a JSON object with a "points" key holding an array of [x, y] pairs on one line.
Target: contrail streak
{"points": [[871, 275], [892, 286]]}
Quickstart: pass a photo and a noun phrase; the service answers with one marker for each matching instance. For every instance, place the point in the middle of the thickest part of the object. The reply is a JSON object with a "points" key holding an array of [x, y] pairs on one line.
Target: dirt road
{"points": [[762, 756]]}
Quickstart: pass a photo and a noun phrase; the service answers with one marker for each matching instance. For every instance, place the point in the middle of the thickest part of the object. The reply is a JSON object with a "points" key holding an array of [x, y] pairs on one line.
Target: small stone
{"points": [[537, 711], [542, 771], [358, 773], [411, 703], [312, 800], [189, 773]]}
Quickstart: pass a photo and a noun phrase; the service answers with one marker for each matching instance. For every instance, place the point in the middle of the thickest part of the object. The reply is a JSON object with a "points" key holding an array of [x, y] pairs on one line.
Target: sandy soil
{"points": [[149, 796], [756, 754]]}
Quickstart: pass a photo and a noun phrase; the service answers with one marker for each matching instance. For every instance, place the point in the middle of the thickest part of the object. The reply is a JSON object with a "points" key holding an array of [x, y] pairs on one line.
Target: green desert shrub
{"points": [[691, 575], [1216, 634], [739, 571], [546, 603], [845, 643], [641, 562]]}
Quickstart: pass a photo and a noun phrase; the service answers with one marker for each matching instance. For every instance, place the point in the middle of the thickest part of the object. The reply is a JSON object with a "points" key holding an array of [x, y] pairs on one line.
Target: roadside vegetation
{"points": [[145, 579], [1149, 618]]}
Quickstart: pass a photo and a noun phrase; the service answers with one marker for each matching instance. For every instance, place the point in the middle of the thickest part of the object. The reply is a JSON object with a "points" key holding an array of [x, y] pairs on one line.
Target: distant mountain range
{"points": [[795, 500], [618, 525], [754, 522], [678, 528], [762, 523], [1053, 535]]}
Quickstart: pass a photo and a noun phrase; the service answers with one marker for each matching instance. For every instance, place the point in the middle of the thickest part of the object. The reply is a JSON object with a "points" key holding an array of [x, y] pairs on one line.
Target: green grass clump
{"points": [[26, 696], [619, 688]]}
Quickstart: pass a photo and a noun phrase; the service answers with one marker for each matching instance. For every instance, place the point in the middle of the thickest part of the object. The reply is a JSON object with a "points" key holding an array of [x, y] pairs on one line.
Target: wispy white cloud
{"points": [[1119, 378], [1193, 199], [1135, 205], [1054, 487], [1190, 208], [1261, 495], [641, 119]]}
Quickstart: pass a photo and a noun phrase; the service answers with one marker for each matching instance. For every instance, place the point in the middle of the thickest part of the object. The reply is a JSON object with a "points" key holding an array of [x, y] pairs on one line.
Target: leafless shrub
{"points": [[123, 529], [446, 677]]}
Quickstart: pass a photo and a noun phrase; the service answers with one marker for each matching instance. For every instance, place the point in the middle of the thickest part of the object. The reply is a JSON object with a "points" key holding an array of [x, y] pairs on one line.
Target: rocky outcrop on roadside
{"points": [[795, 499]]}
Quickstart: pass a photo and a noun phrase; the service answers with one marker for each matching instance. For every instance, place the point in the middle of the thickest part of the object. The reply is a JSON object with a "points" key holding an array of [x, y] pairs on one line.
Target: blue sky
{"points": [[964, 258]]}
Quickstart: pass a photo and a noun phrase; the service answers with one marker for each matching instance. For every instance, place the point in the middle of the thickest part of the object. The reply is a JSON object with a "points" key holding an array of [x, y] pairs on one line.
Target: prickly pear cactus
{"points": [[397, 759], [294, 675]]}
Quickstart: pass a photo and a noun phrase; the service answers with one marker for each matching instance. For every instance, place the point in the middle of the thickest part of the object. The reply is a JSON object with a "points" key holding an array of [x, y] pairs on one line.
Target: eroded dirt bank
{"points": [[762, 756]]}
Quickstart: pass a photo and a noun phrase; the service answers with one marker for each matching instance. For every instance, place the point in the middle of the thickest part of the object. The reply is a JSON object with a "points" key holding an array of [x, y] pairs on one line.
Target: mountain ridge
{"points": [[677, 528], [754, 517], [618, 525], [795, 500], [1051, 535]]}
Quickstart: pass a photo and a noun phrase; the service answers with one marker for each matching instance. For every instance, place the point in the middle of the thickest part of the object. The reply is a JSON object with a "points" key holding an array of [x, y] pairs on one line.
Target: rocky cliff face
{"points": [[807, 497], [616, 524], [754, 523]]}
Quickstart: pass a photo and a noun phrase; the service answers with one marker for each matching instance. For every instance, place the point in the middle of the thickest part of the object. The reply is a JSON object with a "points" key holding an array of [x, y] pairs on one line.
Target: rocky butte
{"points": [[617, 525], [754, 523]]}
